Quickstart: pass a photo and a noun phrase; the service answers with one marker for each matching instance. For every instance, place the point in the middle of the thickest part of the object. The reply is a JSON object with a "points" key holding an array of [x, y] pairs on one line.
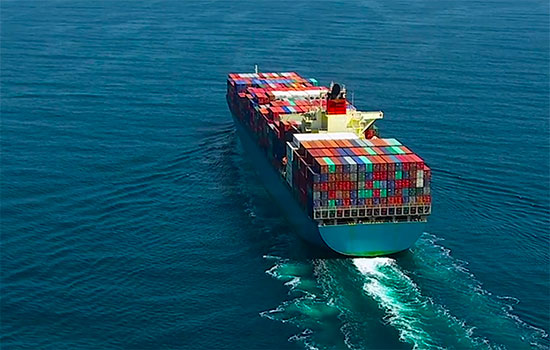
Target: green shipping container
{"points": [[331, 165], [371, 151], [397, 150], [367, 162]]}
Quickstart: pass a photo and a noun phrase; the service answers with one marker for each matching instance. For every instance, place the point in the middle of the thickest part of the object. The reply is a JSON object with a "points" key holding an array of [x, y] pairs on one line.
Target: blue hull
{"points": [[354, 240]]}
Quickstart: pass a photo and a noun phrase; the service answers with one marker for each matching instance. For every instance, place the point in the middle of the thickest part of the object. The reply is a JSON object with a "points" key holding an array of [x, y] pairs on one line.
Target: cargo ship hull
{"points": [[372, 239]]}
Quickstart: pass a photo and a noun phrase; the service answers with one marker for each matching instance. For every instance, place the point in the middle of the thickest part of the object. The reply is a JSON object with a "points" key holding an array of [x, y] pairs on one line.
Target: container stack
{"points": [[332, 175], [260, 100], [342, 176]]}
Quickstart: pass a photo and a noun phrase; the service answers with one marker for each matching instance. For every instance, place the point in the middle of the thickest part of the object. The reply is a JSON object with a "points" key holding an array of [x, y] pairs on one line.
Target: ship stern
{"points": [[372, 239]]}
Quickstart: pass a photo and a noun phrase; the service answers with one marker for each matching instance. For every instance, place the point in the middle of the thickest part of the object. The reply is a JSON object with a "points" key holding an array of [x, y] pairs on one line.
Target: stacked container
{"points": [[332, 175], [359, 178], [260, 100]]}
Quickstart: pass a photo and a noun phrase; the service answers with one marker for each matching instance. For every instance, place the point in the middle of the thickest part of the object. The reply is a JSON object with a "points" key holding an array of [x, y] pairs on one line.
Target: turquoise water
{"points": [[131, 219]]}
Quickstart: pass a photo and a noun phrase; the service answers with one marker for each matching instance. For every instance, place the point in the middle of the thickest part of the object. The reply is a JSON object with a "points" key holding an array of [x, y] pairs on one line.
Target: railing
{"points": [[368, 213]]}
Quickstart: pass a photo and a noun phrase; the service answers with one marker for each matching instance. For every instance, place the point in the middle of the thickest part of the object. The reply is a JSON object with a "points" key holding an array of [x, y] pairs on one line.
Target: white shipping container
{"points": [[351, 162], [326, 136], [282, 95]]}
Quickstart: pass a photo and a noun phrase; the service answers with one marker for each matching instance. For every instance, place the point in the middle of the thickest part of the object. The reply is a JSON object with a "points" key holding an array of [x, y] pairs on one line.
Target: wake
{"points": [[466, 316], [438, 304], [411, 313]]}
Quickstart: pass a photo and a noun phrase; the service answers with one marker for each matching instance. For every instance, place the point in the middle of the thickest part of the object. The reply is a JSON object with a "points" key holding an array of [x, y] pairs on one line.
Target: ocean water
{"points": [[130, 218]]}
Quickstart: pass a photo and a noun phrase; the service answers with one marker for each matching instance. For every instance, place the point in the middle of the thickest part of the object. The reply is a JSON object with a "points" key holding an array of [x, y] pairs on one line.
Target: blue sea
{"points": [[131, 218]]}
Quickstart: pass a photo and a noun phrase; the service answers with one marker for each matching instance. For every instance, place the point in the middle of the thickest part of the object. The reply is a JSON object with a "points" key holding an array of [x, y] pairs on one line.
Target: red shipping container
{"points": [[333, 152], [347, 144], [376, 193], [378, 163], [404, 160], [379, 142], [339, 143], [321, 144], [332, 143], [385, 164], [339, 162], [419, 163]]}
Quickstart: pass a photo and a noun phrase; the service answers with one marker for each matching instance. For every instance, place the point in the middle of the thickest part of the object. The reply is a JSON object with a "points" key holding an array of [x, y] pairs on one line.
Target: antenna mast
{"points": [[256, 68]]}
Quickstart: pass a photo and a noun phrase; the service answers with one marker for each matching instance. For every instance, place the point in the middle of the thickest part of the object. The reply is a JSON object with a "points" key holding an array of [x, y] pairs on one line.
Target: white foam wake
{"points": [[397, 295], [416, 317]]}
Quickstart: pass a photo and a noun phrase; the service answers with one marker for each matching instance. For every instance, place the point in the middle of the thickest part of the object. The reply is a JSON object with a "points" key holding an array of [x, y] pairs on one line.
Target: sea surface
{"points": [[131, 219]]}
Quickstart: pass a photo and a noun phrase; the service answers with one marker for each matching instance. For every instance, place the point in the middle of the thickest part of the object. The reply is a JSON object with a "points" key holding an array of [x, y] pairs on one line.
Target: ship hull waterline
{"points": [[360, 240]]}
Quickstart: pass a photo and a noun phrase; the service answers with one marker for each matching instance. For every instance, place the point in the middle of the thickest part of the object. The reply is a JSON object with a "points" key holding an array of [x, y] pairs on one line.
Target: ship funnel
{"points": [[336, 99]]}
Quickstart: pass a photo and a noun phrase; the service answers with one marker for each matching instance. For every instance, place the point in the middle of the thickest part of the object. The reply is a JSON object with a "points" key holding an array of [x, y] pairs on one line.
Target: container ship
{"points": [[338, 182]]}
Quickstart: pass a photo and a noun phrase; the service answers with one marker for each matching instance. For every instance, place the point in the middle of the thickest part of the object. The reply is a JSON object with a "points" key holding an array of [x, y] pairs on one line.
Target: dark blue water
{"points": [[131, 219]]}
